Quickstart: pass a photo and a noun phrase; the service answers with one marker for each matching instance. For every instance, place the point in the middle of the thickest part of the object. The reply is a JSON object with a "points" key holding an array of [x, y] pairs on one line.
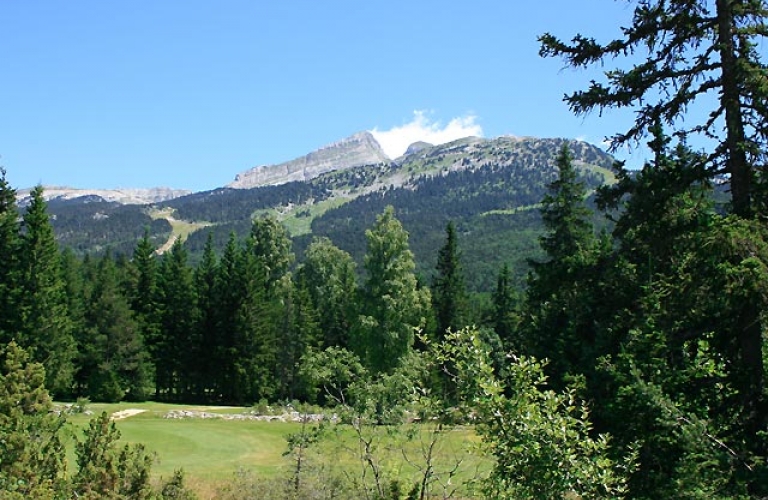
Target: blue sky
{"points": [[188, 94]]}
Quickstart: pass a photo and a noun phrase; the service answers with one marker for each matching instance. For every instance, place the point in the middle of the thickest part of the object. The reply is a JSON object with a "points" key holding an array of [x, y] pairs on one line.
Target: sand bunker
{"points": [[119, 415]]}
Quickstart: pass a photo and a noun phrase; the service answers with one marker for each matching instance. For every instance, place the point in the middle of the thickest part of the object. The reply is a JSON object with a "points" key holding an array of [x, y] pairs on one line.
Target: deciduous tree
{"points": [[392, 305]]}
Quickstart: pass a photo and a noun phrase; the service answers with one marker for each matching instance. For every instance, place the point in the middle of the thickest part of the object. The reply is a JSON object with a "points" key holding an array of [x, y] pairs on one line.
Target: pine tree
{"points": [[564, 213], [209, 335], [270, 243], [556, 285], [120, 364], [686, 52], [32, 453], [229, 296], [503, 314], [46, 329], [255, 335], [178, 343], [10, 320], [143, 293], [449, 294], [299, 331]]}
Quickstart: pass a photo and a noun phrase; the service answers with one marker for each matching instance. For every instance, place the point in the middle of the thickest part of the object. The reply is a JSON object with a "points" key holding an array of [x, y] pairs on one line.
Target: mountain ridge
{"points": [[356, 150], [123, 196]]}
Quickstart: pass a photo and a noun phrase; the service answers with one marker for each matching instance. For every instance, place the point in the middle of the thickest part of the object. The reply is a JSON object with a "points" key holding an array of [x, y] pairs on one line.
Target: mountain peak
{"points": [[354, 151]]}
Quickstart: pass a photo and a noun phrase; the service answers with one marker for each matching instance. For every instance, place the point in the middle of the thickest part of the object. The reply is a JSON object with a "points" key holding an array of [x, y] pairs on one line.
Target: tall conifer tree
{"points": [[449, 294], [46, 328], [178, 342], [10, 318], [684, 52]]}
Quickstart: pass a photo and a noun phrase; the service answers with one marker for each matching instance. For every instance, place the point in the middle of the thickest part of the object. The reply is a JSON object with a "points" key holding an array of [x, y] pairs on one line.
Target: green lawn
{"points": [[211, 450]]}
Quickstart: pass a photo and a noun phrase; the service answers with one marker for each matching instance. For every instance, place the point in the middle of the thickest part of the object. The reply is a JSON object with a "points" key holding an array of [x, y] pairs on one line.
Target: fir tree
{"points": [[46, 329], [449, 295], [9, 270], [685, 51], [178, 344]]}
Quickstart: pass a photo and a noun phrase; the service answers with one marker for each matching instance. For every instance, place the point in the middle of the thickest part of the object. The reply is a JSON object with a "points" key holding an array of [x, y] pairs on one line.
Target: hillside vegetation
{"points": [[489, 188]]}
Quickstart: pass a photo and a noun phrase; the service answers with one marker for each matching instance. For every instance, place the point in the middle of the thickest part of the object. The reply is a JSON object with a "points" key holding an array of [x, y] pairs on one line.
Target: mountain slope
{"points": [[490, 188], [354, 151]]}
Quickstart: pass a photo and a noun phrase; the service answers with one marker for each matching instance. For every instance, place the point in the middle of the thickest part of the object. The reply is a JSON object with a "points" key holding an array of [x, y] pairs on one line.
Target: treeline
{"points": [[230, 329]]}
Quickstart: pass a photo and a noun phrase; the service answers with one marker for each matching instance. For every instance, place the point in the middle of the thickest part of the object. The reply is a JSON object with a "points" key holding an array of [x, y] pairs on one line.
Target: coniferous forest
{"points": [[632, 365]]}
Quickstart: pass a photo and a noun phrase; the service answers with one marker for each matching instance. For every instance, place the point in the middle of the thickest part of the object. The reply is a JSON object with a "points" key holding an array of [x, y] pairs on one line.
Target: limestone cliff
{"points": [[354, 151]]}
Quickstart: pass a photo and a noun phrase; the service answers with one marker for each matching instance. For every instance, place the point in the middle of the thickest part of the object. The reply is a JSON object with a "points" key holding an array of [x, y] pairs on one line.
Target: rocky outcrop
{"points": [[124, 196], [357, 150]]}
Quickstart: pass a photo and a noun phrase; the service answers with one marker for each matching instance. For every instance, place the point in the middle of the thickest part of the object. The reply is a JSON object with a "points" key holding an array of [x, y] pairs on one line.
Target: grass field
{"points": [[211, 451]]}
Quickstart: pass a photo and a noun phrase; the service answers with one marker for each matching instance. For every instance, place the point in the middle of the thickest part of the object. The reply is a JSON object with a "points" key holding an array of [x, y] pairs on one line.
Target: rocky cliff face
{"points": [[124, 196], [357, 150]]}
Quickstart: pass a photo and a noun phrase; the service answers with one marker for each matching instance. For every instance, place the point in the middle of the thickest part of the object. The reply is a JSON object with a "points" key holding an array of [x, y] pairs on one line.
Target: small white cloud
{"points": [[396, 140]]}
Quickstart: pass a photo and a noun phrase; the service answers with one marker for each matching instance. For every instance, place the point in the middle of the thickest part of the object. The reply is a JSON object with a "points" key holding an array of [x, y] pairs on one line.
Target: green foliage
{"points": [[684, 52], [329, 276], [392, 305], [177, 305], [174, 489], [448, 289], [114, 354], [504, 316], [31, 451], [9, 271], [106, 472], [45, 328], [541, 441]]}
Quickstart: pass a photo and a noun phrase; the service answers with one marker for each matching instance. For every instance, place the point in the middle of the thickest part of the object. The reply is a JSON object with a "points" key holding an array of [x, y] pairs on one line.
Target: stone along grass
{"points": [[212, 450]]}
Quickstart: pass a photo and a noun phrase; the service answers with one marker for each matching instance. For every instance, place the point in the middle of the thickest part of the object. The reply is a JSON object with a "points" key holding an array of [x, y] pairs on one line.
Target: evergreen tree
{"points": [[393, 306], [564, 213], [32, 453], [299, 332], [9, 270], [270, 243], [119, 363], [46, 329], [229, 297], [685, 51], [209, 335], [143, 292], [106, 471], [503, 314], [449, 295], [679, 372], [178, 344], [556, 285], [255, 341]]}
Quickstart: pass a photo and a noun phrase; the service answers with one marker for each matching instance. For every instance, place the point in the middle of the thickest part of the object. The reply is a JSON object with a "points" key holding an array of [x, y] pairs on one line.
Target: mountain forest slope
{"points": [[490, 189]]}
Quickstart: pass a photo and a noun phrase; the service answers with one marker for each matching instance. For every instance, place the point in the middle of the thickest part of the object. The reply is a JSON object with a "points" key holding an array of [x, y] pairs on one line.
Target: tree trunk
{"points": [[736, 158]]}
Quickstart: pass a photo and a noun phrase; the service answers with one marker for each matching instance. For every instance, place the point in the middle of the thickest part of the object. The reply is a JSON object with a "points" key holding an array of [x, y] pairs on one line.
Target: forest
{"points": [[632, 365]]}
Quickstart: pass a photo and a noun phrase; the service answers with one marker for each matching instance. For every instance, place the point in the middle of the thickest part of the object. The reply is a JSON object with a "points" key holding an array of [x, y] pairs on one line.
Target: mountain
{"points": [[123, 196], [489, 188], [416, 147], [354, 151]]}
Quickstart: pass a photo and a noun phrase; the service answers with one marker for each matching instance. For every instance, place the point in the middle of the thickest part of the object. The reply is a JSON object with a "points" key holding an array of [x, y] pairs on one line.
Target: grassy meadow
{"points": [[212, 451]]}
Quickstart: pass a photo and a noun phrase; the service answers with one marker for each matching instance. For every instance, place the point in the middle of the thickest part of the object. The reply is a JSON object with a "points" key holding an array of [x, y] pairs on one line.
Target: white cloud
{"points": [[396, 140]]}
